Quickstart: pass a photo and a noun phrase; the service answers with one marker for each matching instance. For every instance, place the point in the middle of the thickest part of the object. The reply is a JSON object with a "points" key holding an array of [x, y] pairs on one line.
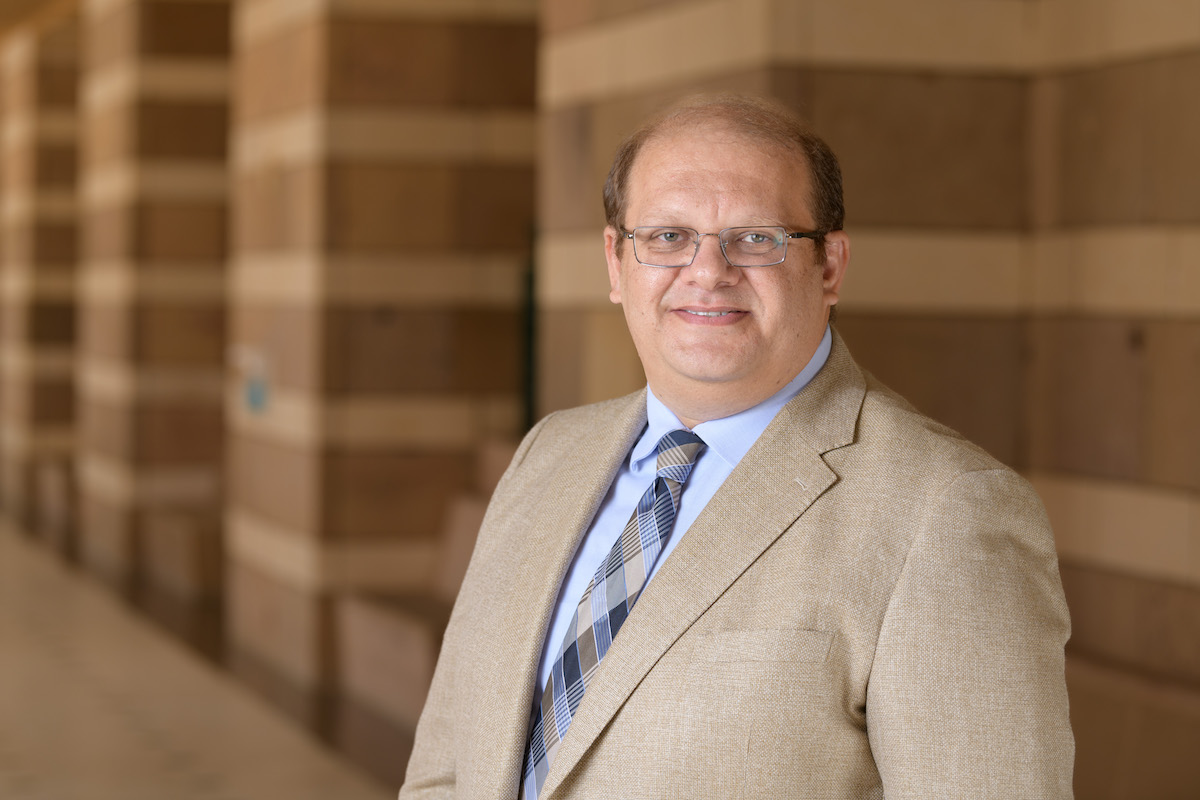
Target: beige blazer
{"points": [[869, 607]]}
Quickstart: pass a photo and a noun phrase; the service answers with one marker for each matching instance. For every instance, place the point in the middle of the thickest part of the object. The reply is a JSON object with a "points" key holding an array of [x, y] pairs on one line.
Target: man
{"points": [[848, 601]]}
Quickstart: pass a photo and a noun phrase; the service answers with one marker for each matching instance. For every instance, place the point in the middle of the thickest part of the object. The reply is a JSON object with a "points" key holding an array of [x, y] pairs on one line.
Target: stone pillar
{"points": [[383, 164], [153, 285], [921, 121], [38, 216], [1112, 443]]}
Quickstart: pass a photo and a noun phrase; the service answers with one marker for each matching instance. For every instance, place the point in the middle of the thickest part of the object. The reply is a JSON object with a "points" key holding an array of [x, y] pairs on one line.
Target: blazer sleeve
{"points": [[967, 695], [432, 770], [431, 767]]}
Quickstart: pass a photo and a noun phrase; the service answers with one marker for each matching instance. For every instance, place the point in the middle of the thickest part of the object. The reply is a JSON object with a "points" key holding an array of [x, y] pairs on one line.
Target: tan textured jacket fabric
{"points": [[869, 607]]}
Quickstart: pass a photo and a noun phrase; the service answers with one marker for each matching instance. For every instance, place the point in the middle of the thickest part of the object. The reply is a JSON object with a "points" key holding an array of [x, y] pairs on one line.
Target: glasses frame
{"points": [[629, 234]]}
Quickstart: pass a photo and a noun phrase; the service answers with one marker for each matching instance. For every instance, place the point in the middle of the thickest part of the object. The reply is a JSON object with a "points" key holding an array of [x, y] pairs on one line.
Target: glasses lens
{"points": [[753, 247], [664, 247]]}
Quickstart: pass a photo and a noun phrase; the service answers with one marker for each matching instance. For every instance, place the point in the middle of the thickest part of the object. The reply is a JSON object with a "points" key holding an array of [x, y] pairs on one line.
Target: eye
{"points": [[669, 236], [756, 237], [664, 239]]}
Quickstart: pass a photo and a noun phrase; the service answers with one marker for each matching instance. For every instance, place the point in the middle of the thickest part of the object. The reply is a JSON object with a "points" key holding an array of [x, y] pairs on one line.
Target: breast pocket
{"points": [[794, 646]]}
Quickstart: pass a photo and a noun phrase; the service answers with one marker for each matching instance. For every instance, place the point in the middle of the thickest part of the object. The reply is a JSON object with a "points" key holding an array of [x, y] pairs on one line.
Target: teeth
{"points": [[709, 313]]}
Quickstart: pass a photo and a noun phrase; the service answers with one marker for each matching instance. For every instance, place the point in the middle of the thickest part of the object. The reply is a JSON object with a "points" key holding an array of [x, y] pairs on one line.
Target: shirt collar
{"points": [[730, 437]]}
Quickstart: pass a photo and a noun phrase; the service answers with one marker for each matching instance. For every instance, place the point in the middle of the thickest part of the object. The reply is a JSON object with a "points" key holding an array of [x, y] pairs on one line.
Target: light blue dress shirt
{"points": [[727, 440]]}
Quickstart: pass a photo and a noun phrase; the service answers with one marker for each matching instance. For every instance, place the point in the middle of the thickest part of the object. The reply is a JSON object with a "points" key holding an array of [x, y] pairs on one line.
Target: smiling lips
{"points": [[714, 315]]}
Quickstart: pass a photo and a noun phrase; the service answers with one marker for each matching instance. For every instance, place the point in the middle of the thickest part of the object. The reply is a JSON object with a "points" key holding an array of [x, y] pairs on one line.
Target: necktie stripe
{"points": [[605, 604]]}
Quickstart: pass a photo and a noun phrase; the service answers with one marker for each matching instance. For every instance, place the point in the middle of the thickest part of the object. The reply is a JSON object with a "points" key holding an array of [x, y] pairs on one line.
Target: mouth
{"points": [[711, 316]]}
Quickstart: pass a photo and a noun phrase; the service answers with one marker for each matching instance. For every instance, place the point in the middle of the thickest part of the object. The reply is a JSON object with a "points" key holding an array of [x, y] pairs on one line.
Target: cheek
{"points": [[787, 306], [644, 292], [796, 291]]}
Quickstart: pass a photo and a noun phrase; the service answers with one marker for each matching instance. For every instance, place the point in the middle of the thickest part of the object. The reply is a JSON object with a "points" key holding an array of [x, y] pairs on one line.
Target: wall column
{"points": [[861, 74], [383, 202], [38, 216], [1114, 379], [155, 124]]}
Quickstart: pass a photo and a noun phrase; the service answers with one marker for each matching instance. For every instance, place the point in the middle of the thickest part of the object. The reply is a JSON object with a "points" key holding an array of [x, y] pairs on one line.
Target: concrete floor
{"points": [[97, 703]]}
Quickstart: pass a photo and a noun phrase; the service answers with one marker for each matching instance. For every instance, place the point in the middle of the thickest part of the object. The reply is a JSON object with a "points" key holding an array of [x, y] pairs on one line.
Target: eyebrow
{"points": [[749, 222]]}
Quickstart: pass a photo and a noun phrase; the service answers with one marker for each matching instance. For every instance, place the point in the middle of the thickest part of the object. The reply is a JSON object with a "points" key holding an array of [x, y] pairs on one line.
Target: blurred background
{"points": [[283, 281]]}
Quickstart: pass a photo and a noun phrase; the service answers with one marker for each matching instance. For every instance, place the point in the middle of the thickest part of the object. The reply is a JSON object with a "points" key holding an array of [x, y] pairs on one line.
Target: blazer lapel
{"points": [[550, 536], [781, 476]]}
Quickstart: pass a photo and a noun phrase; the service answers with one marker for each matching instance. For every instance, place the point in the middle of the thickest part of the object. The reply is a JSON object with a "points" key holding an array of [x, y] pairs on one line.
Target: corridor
{"points": [[95, 703]]}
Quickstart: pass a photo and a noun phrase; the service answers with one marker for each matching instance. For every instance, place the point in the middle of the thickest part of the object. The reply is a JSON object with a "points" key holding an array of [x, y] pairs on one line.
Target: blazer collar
{"points": [[780, 477]]}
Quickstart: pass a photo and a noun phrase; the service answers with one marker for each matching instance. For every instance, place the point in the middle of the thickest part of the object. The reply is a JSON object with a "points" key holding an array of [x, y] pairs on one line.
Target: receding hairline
{"points": [[739, 143], [753, 119], [721, 130], [765, 122]]}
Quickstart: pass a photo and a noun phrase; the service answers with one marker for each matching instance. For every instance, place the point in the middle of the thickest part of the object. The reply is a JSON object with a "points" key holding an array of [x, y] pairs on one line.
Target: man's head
{"points": [[715, 339], [755, 118]]}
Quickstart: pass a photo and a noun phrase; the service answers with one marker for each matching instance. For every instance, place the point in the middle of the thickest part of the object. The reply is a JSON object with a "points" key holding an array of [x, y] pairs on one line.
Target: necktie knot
{"points": [[677, 454]]}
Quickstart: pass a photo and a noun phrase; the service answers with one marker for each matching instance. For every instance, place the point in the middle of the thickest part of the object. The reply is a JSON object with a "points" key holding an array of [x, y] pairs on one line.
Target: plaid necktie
{"points": [[606, 603]]}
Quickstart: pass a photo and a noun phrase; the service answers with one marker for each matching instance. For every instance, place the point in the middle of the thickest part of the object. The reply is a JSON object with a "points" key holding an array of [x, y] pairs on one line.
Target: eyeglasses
{"points": [[764, 246]]}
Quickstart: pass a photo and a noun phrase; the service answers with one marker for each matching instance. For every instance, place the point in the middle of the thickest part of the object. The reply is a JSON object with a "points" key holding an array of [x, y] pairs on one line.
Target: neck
{"points": [[696, 404], [696, 401]]}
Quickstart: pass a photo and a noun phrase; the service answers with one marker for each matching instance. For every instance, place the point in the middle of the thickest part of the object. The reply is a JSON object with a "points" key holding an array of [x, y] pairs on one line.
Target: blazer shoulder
{"points": [[891, 425], [577, 433], [590, 418]]}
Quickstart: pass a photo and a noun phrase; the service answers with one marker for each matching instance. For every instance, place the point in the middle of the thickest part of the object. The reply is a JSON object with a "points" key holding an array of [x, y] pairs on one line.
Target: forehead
{"points": [[718, 162]]}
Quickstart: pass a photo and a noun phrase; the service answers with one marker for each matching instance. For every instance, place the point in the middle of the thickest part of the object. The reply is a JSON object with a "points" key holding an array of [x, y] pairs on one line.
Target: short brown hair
{"points": [[757, 118]]}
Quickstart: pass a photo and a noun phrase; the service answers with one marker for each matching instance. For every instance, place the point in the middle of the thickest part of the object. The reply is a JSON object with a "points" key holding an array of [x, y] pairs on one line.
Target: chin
{"points": [[712, 370]]}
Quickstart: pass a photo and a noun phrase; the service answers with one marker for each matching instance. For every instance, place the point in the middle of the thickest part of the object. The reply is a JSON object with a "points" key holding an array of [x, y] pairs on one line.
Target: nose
{"points": [[710, 269]]}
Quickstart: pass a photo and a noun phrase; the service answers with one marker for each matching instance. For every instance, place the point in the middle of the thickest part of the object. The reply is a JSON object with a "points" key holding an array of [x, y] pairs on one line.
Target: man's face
{"points": [[714, 339]]}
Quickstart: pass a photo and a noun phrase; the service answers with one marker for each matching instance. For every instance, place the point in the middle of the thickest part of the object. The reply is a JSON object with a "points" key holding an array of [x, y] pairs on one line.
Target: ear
{"points": [[837, 258], [611, 240]]}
